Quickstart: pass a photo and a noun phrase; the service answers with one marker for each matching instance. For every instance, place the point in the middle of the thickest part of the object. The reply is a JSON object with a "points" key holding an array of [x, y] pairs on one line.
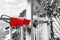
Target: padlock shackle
{"points": [[5, 19]]}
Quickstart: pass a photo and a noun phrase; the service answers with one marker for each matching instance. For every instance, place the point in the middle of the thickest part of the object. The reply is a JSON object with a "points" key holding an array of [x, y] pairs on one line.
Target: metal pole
{"points": [[21, 33], [10, 31], [32, 34], [29, 15]]}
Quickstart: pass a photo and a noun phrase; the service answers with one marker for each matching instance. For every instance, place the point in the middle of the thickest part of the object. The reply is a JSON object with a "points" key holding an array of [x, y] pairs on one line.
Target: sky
{"points": [[12, 7]]}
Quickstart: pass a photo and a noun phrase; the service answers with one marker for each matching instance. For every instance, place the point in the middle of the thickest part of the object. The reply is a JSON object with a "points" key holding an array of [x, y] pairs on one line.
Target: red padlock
{"points": [[20, 22], [26, 22], [13, 22]]}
